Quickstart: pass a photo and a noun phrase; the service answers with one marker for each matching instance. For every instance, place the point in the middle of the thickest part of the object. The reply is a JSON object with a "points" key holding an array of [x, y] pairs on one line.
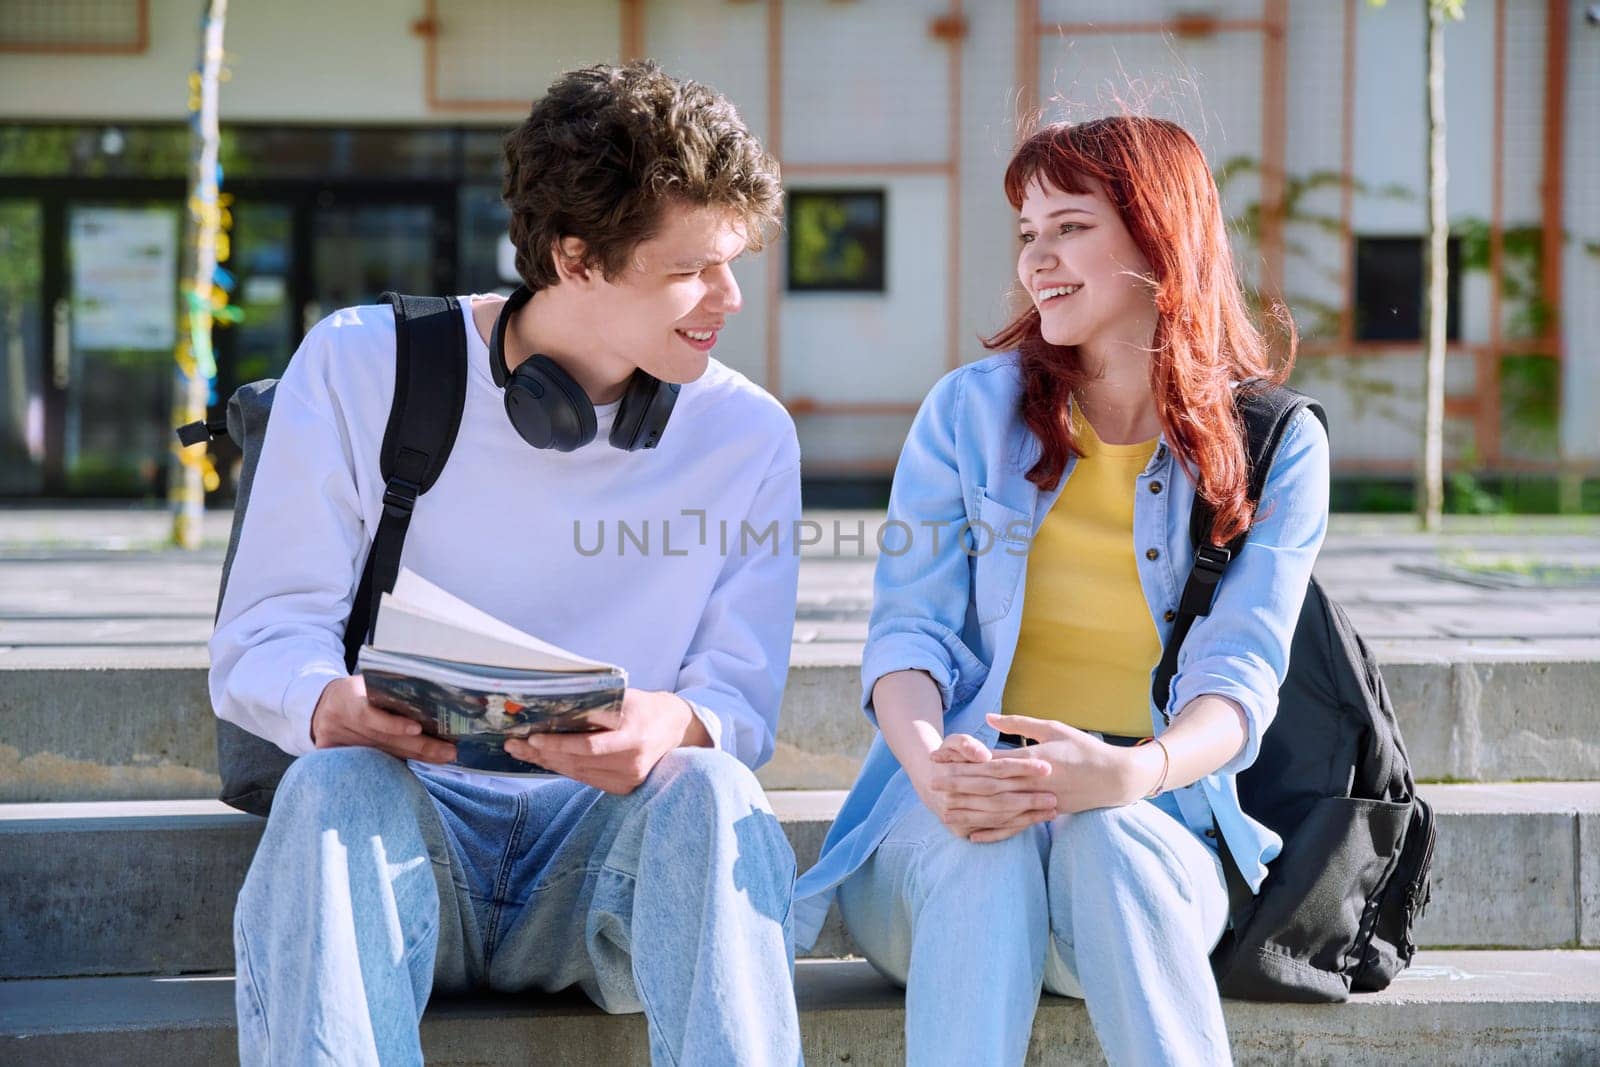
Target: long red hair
{"points": [[1155, 175]]}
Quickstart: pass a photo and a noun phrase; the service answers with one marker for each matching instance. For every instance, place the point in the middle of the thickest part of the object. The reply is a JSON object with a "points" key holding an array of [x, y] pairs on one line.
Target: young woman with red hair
{"points": [[1043, 501]]}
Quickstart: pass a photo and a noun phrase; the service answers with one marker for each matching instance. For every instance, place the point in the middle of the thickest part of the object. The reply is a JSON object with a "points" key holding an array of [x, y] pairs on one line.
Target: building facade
{"points": [[361, 152]]}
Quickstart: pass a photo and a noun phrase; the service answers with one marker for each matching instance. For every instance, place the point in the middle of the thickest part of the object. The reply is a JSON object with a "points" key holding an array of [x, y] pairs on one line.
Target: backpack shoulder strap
{"points": [[1267, 412], [430, 392]]}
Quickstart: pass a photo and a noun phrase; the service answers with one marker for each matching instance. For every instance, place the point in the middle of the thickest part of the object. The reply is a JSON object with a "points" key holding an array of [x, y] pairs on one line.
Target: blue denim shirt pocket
{"points": [[997, 541]]}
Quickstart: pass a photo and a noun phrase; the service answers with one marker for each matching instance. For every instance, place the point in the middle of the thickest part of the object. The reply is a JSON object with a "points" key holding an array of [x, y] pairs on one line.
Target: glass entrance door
{"points": [[90, 311], [361, 249], [116, 329], [260, 343], [22, 345], [300, 254]]}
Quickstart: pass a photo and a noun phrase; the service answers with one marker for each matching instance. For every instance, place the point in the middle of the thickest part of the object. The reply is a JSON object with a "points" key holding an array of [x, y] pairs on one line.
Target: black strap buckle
{"points": [[1209, 564], [1211, 559], [400, 497], [203, 432]]}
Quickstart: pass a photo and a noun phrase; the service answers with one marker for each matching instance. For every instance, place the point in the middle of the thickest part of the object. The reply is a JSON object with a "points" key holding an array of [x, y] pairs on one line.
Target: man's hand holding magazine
{"points": [[343, 717], [439, 671], [648, 726]]}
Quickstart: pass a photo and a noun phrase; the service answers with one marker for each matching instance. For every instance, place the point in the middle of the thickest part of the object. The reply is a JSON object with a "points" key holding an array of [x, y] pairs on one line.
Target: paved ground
{"points": [[79, 586], [91, 590]]}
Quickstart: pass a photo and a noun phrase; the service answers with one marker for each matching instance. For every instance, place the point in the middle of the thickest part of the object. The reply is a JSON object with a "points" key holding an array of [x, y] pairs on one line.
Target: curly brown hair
{"points": [[607, 148]]}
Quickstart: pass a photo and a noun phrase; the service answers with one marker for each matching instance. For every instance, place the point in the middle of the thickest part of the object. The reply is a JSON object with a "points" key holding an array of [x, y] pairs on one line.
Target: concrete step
{"points": [[125, 723], [1484, 1008], [148, 887]]}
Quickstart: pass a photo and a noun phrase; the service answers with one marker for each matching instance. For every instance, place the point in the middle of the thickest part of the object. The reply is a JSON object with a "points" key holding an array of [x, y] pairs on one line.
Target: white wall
{"points": [[1580, 311], [866, 82], [721, 44], [989, 133], [1143, 10], [1313, 267], [1391, 112], [509, 50], [1210, 85], [302, 61], [725, 46], [1523, 106], [877, 347], [1374, 403]]}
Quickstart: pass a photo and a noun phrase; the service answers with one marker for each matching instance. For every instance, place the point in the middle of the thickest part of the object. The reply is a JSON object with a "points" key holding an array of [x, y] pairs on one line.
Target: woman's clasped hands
{"points": [[980, 797], [988, 795]]}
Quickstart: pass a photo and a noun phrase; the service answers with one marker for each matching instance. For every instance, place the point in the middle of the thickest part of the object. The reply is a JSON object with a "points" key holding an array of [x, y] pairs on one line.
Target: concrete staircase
{"points": [[118, 873], [115, 947], [119, 888]]}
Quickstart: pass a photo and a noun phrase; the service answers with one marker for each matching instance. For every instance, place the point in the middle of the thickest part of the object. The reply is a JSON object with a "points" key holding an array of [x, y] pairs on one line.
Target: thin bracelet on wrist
{"points": [[1166, 767]]}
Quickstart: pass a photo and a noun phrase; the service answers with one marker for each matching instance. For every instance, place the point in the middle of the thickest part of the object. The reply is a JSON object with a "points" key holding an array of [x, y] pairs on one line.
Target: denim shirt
{"points": [[948, 592]]}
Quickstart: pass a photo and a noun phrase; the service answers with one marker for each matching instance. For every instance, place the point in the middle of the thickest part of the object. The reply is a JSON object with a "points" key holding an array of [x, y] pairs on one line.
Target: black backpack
{"points": [[429, 395], [1336, 912]]}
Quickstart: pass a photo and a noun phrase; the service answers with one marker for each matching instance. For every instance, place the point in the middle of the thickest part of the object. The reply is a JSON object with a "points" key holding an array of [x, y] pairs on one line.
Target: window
{"points": [[311, 153], [1391, 287], [836, 240], [486, 261], [65, 26]]}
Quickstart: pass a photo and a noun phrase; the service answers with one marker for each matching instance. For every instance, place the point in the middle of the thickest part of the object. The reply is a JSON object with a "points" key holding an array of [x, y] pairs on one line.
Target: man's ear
{"points": [[568, 254]]}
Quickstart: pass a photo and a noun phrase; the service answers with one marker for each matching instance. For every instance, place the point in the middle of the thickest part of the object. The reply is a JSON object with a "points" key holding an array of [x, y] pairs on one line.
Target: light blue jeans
{"points": [[1118, 906], [374, 886]]}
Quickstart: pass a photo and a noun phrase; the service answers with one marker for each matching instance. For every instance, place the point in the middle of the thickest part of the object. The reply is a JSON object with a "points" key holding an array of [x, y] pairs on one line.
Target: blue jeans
{"points": [[1118, 906], [374, 886]]}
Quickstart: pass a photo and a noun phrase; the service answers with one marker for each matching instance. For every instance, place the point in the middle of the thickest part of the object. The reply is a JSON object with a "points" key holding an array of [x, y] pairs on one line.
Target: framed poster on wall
{"points": [[836, 240]]}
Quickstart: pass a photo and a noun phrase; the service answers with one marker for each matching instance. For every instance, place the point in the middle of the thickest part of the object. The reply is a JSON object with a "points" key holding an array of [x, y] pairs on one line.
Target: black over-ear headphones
{"points": [[550, 410]]}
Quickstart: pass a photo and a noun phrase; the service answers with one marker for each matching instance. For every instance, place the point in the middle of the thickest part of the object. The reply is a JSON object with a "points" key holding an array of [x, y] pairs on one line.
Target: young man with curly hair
{"points": [[650, 872]]}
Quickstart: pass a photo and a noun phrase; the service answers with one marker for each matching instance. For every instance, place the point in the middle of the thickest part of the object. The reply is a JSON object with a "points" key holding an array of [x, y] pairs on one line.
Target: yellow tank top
{"points": [[1088, 643]]}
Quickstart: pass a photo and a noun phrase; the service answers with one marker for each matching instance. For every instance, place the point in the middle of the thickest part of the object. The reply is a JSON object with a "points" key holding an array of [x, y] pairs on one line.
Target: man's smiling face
{"points": [[663, 312]]}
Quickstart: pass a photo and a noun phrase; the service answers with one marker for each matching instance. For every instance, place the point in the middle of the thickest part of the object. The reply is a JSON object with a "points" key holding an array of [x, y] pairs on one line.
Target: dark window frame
{"points": [[1389, 288], [876, 280]]}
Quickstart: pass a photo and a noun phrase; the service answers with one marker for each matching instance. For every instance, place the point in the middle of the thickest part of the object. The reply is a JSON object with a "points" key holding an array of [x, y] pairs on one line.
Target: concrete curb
{"points": [[1485, 1008], [123, 730]]}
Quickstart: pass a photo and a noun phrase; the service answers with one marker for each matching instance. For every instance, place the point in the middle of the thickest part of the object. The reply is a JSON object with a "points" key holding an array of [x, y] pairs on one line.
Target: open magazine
{"points": [[467, 677]]}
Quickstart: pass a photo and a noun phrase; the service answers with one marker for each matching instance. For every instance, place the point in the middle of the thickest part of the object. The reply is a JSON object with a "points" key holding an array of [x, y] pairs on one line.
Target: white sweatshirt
{"points": [[691, 590]]}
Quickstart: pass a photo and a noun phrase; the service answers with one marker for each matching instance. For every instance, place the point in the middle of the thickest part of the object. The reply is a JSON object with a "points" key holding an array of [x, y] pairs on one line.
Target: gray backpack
{"points": [[430, 393]]}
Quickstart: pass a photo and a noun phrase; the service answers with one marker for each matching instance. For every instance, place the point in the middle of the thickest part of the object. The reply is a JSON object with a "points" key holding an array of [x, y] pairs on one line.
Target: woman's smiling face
{"points": [[1082, 269]]}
